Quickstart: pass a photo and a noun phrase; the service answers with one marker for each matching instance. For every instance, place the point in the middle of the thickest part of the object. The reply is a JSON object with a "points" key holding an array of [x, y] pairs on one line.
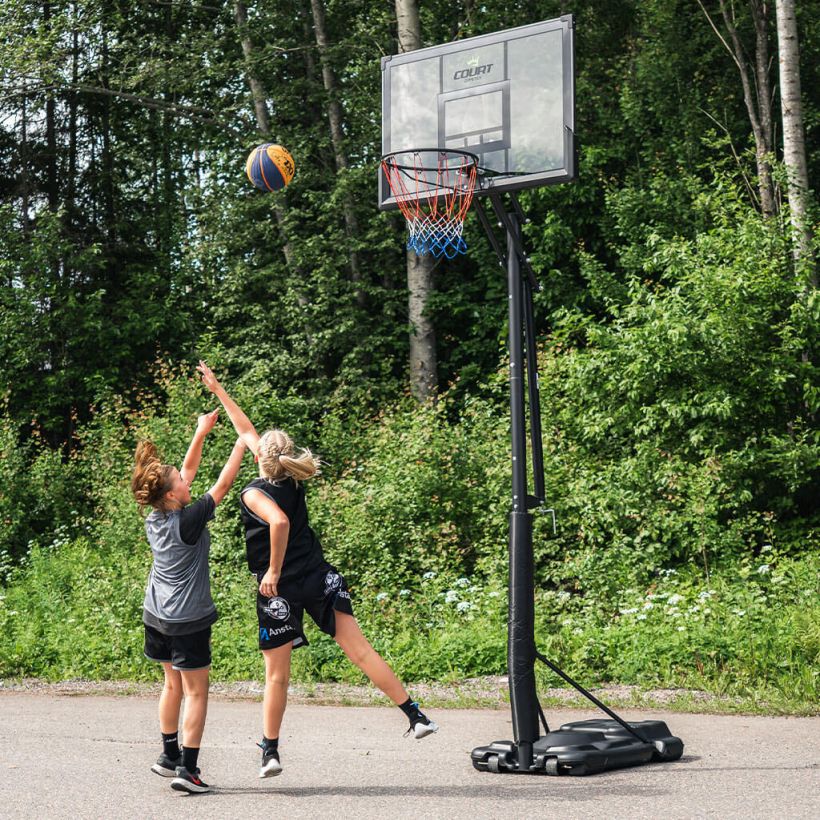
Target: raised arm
{"points": [[204, 424], [229, 472], [242, 424], [279, 526]]}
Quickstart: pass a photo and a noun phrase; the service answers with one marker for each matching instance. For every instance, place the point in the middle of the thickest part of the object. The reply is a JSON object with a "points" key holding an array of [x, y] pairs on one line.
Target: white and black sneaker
{"points": [[421, 726], [270, 764], [167, 766], [190, 782], [424, 727]]}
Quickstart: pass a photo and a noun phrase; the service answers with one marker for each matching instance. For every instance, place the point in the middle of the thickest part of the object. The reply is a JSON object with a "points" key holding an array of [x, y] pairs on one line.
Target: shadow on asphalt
{"points": [[489, 792]]}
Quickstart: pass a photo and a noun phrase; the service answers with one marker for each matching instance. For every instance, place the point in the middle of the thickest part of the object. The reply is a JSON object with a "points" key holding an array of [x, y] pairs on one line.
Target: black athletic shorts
{"points": [[322, 592], [184, 652]]}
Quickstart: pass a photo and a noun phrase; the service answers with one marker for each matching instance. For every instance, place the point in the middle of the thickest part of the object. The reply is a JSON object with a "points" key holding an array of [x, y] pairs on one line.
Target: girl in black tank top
{"points": [[293, 577]]}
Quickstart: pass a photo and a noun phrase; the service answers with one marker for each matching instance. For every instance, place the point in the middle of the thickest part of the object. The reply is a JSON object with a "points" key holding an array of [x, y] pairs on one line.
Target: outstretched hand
{"points": [[208, 379], [206, 421]]}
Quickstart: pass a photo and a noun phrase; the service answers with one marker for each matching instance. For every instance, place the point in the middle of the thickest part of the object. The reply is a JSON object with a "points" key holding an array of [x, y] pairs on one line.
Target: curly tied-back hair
{"points": [[151, 478], [278, 459]]}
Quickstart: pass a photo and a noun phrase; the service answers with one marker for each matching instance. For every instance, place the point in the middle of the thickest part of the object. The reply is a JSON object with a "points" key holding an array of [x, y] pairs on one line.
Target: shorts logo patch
{"points": [[332, 582], [277, 608]]}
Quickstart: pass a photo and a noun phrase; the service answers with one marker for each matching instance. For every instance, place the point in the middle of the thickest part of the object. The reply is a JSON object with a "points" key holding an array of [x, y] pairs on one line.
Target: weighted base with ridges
{"points": [[584, 747]]}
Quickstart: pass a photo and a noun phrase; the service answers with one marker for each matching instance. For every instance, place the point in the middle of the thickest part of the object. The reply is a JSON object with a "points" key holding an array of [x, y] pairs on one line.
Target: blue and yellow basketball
{"points": [[270, 167]]}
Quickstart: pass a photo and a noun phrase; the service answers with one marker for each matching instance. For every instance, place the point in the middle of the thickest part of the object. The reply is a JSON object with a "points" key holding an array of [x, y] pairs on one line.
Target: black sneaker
{"points": [[166, 766], [186, 781], [270, 764]]}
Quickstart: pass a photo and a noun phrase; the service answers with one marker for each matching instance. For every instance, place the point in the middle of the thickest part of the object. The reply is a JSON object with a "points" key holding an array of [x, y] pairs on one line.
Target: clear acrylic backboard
{"points": [[507, 97]]}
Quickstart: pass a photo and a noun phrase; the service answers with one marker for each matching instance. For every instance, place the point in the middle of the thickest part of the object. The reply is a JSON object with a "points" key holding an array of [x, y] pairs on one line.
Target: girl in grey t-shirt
{"points": [[178, 609]]}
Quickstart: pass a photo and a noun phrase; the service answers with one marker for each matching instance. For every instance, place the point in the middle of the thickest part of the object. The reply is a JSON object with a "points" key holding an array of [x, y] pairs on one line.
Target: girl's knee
{"points": [[277, 677], [173, 681], [357, 651], [195, 684]]}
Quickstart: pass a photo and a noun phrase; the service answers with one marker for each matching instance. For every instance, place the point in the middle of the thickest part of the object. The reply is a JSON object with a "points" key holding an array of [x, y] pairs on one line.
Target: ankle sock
{"points": [[269, 745], [411, 709], [189, 758], [170, 745]]}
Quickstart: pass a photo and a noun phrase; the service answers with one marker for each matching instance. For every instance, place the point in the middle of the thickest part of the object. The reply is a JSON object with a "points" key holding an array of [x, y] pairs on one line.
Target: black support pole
{"points": [[520, 643], [534, 397], [581, 747]]}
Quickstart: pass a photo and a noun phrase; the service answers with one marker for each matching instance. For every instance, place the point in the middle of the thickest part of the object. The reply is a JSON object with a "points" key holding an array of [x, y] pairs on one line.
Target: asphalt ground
{"points": [[90, 757]]}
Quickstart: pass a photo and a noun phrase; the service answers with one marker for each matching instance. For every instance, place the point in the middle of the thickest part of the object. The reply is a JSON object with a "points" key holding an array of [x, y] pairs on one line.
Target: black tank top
{"points": [[304, 552]]}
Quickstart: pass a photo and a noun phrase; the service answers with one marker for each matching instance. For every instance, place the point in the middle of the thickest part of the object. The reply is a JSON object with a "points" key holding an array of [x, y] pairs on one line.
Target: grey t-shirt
{"points": [[178, 596]]}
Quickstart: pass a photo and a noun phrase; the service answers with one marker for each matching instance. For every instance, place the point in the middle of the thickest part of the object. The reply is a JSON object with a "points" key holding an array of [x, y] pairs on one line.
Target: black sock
{"points": [[189, 758], [170, 745], [411, 709], [269, 745]]}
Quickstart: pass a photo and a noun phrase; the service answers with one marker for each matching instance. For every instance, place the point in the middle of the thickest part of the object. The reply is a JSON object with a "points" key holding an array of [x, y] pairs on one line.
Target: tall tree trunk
{"points": [[71, 189], [794, 143], [52, 193], [759, 112], [167, 132], [107, 158], [24, 180], [71, 171], [335, 118], [260, 106], [423, 363]]}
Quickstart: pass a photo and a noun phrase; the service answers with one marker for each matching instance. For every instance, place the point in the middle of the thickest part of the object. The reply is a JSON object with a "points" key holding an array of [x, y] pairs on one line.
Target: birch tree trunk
{"points": [[794, 143], [423, 363], [757, 99], [335, 118]]}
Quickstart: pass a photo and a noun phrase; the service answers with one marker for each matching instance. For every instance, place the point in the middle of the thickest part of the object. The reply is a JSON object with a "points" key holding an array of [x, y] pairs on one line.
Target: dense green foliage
{"points": [[677, 347]]}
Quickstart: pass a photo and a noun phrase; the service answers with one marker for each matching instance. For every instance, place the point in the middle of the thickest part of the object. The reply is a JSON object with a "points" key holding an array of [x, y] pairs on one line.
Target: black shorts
{"points": [[322, 592], [184, 652]]}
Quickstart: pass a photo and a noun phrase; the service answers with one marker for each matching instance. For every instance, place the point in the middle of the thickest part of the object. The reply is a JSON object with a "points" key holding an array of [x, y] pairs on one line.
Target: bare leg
{"points": [[277, 678], [195, 686], [170, 701], [358, 649]]}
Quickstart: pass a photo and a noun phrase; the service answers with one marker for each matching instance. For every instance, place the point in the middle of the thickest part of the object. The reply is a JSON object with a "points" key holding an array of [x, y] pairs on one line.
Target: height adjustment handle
{"points": [[535, 503]]}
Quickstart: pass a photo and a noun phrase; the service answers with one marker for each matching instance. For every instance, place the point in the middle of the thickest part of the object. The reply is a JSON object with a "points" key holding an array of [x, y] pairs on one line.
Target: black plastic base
{"points": [[584, 747]]}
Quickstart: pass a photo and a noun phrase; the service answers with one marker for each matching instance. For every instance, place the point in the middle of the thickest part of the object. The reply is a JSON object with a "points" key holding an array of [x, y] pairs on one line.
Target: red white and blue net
{"points": [[434, 190]]}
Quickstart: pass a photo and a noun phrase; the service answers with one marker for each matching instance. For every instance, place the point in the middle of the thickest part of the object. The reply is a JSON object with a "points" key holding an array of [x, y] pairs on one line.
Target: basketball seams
{"points": [[270, 167]]}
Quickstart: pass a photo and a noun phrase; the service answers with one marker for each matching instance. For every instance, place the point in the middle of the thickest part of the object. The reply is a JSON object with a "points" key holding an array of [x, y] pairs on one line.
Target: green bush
{"points": [[681, 458]]}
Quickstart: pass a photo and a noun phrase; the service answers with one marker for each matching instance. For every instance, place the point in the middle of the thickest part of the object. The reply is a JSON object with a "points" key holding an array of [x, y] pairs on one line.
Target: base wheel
{"points": [[551, 765], [492, 764]]}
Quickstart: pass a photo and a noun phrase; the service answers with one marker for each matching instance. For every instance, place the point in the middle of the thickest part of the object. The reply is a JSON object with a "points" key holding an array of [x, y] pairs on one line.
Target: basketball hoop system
{"points": [[434, 189]]}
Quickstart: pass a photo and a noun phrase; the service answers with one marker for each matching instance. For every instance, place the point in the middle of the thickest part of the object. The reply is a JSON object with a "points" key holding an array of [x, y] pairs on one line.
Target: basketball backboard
{"points": [[508, 97]]}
